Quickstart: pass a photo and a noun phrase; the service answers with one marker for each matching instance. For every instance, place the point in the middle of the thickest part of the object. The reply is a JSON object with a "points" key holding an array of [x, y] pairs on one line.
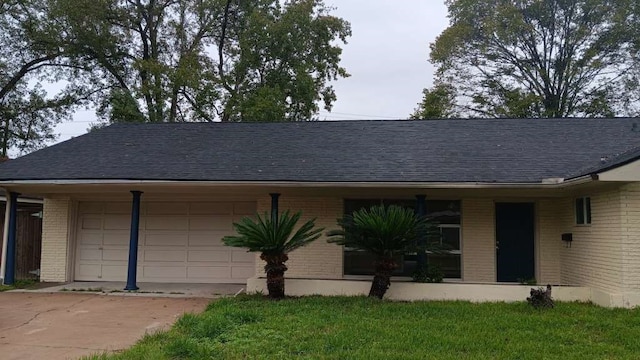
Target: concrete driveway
{"points": [[70, 325]]}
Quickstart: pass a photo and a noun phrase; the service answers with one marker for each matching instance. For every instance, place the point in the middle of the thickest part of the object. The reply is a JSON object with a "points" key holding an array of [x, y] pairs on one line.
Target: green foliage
{"points": [[523, 59], [264, 235], [207, 60], [437, 103], [360, 328], [19, 284], [429, 273], [32, 52], [381, 230]]}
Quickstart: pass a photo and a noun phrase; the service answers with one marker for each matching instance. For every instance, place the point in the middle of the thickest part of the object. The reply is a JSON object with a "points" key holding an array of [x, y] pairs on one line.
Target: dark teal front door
{"points": [[515, 241]]}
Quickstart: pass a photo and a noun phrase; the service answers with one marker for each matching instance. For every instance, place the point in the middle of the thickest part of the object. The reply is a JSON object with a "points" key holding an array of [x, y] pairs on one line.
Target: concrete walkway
{"points": [[67, 325], [146, 289]]}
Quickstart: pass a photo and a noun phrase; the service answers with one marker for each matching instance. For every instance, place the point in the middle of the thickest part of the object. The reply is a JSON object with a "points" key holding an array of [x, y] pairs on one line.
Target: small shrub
{"points": [[541, 298], [531, 281], [428, 274]]}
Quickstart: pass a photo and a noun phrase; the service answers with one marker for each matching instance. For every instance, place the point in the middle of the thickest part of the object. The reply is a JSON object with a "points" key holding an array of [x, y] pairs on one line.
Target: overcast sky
{"points": [[387, 57]]}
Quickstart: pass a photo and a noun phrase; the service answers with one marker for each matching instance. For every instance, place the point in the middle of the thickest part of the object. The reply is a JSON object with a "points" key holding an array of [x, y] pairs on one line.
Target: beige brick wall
{"points": [[478, 240], [549, 245], [319, 259], [55, 235], [630, 198], [595, 257]]}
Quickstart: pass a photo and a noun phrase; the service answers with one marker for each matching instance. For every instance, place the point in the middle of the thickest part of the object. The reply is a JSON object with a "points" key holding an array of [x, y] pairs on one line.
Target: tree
{"points": [[437, 103], [31, 51], [274, 239], [208, 60], [532, 58], [384, 232]]}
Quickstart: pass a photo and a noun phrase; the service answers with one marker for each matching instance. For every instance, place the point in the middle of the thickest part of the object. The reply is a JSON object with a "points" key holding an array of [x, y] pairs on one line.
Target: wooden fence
{"points": [[28, 238]]}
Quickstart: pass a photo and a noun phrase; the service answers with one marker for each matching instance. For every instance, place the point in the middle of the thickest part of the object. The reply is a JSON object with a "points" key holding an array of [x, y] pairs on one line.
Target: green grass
{"points": [[18, 284], [251, 327]]}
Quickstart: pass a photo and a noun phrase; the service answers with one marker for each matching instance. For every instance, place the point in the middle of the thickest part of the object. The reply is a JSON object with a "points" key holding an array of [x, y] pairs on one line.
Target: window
{"points": [[446, 213], [583, 210]]}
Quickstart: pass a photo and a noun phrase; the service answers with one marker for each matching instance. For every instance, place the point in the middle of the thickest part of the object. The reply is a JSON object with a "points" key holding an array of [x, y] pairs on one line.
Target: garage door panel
{"points": [[173, 238], [244, 208], [242, 256], [242, 272], [167, 223], [114, 272], [209, 272], [89, 271], [117, 222], [90, 254], [208, 238], [211, 208], [179, 242], [221, 255], [116, 238], [122, 208], [164, 272], [115, 254], [91, 223], [91, 208], [167, 208], [90, 238], [164, 255]]}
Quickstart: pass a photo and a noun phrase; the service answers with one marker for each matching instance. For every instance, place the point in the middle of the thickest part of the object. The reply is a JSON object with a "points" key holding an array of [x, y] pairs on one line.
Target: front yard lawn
{"points": [[251, 327]]}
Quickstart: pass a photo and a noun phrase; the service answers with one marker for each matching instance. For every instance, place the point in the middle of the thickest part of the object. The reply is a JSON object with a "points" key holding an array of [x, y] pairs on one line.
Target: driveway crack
{"points": [[45, 312]]}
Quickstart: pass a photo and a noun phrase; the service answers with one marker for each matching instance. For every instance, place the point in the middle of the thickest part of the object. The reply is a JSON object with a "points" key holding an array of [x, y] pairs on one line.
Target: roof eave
{"points": [[558, 183]]}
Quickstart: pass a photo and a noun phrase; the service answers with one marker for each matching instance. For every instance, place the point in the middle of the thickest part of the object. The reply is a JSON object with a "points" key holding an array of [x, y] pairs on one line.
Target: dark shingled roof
{"points": [[488, 151]]}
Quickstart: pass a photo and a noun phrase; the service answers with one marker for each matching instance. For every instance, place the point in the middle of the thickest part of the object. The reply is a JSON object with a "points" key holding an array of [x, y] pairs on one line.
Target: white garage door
{"points": [[178, 242]]}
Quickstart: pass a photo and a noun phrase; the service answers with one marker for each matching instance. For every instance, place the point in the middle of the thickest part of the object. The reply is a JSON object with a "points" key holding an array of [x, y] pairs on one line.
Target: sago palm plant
{"points": [[384, 232], [274, 240]]}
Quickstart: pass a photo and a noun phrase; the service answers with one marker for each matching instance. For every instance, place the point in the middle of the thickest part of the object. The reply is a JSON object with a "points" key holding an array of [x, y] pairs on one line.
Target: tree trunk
{"points": [[275, 269], [382, 277]]}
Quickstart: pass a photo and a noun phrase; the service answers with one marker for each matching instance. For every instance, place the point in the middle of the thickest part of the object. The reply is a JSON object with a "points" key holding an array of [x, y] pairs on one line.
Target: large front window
{"points": [[445, 213]]}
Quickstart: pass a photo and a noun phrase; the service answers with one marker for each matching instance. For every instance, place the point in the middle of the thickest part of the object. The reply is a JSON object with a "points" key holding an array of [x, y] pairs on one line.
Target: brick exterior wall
{"points": [[55, 235], [595, 257], [549, 245], [478, 240], [319, 260], [630, 199]]}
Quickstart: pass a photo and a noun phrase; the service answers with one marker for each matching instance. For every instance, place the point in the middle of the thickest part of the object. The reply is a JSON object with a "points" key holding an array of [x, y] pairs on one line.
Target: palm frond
{"points": [[263, 235], [380, 230]]}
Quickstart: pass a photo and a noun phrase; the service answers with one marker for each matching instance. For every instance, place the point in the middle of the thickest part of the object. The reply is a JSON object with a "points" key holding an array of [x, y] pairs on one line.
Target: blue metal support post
{"points": [[10, 266], [133, 242], [421, 211], [274, 207]]}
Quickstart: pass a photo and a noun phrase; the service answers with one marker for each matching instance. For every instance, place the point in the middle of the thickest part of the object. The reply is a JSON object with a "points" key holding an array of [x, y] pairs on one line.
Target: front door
{"points": [[515, 241]]}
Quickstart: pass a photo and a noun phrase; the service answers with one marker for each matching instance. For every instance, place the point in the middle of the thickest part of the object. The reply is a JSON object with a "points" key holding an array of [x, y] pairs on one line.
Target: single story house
{"points": [[554, 200]]}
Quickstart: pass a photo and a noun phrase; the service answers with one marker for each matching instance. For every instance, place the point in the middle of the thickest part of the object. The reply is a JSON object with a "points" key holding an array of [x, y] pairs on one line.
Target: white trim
{"points": [[585, 211], [624, 173], [24, 200], [365, 184]]}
